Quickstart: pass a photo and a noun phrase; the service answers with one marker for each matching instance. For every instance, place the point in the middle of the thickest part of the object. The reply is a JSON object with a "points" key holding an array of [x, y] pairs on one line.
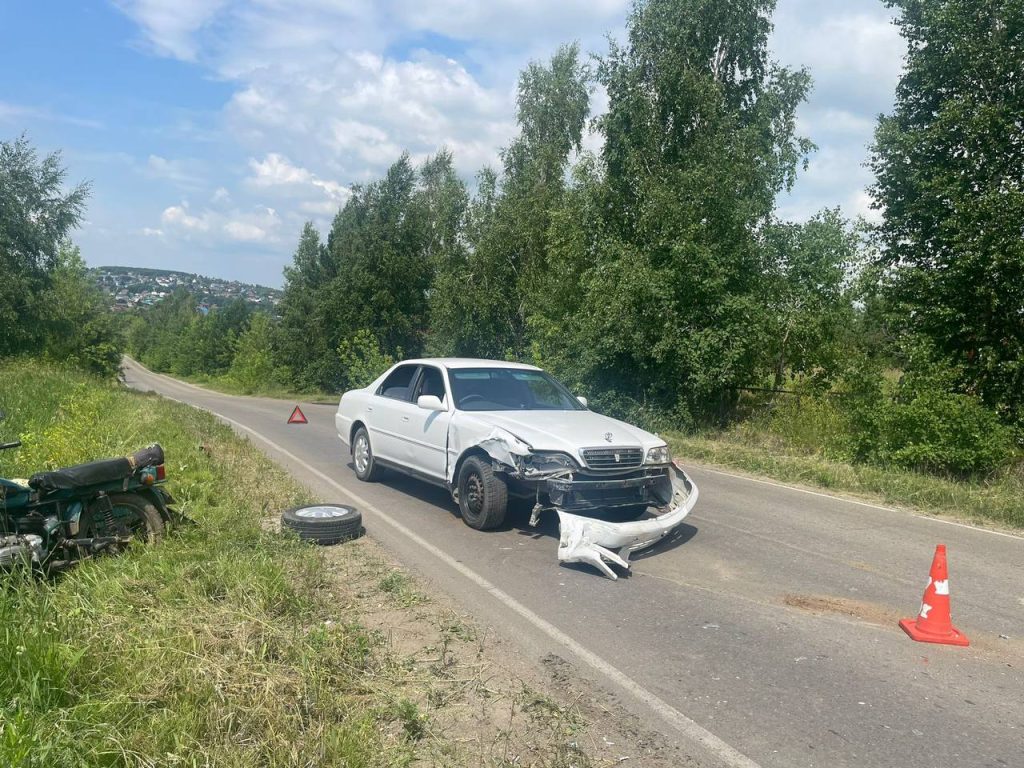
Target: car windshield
{"points": [[509, 389]]}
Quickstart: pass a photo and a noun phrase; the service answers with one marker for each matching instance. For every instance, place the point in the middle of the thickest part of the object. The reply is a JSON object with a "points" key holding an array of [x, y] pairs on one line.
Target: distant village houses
{"points": [[135, 287]]}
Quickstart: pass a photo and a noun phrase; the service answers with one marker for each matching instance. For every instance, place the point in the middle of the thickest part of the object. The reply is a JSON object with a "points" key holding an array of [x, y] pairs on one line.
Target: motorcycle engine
{"points": [[26, 549]]}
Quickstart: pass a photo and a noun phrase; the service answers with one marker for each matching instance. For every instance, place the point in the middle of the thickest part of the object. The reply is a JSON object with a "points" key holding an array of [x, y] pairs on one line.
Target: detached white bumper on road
{"points": [[599, 542]]}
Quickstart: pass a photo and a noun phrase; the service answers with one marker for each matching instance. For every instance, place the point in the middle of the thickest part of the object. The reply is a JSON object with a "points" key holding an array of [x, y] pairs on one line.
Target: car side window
{"points": [[398, 386], [431, 383]]}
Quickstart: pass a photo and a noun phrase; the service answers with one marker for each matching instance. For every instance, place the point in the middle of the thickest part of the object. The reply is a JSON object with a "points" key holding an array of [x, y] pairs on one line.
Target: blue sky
{"points": [[212, 129]]}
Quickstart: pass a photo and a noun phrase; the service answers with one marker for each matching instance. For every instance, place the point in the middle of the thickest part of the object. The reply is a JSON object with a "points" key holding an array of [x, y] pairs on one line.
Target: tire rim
{"points": [[475, 493], [361, 454], [322, 512]]}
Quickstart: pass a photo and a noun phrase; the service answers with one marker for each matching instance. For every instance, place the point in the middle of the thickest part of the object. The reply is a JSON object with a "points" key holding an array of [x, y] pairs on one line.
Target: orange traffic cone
{"points": [[934, 624]]}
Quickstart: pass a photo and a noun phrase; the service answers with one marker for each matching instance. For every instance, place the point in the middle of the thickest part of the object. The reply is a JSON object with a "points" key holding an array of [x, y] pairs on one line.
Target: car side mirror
{"points": [[583, 401], [430, 403]]}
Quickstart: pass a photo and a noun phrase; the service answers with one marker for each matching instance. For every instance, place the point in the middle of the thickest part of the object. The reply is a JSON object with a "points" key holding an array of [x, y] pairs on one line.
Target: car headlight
{"points": [[659, 455], [550, 462]]}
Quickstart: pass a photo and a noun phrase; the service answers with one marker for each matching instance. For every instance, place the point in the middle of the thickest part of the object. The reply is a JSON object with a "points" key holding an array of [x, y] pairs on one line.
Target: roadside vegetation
{"points": [[656, 277], [210, 648], [809, 441], [229, 643], [49, 306]]}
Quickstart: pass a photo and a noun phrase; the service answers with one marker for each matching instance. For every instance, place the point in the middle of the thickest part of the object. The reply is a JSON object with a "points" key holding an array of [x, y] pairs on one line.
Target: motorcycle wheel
{"points": [[138, 515]]}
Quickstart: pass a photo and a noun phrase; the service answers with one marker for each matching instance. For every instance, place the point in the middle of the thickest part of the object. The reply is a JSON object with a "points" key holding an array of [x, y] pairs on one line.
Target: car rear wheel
{"points": [[483, 495], [362, 457]]}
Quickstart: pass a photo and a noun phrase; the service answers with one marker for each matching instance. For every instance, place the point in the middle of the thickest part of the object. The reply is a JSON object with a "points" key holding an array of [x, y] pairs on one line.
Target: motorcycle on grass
{"points": [[61, 517]]}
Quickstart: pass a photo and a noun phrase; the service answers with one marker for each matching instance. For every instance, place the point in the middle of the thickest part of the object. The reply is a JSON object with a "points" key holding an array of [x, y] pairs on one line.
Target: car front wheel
{"points": [[483, 495]]}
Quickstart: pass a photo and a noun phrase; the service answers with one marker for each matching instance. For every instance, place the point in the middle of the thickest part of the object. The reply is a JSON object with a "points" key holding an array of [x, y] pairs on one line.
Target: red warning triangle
{"points": [[297, 417]]}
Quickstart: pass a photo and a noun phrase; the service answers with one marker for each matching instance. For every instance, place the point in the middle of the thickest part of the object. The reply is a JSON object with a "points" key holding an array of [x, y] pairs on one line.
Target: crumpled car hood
{"points": [[568, 430]]}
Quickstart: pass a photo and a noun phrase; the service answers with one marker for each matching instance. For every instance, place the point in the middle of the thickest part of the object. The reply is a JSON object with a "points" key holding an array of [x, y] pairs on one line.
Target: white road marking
{"points": [[971, 527], [846, 500], [689, 728]]}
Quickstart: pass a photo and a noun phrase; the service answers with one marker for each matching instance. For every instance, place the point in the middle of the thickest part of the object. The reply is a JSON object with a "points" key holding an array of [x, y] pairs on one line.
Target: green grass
{"points": [[798, 458], [401, 589], [224, 645]]}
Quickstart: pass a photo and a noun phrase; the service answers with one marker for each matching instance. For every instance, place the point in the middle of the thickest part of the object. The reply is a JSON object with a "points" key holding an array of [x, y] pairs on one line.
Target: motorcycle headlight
{"points": [[659, 455], [550, 462]]}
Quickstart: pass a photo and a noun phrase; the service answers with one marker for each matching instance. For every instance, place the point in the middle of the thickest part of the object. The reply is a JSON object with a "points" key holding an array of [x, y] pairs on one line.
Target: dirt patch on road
{"points": [[872, 613], [987, 646]]}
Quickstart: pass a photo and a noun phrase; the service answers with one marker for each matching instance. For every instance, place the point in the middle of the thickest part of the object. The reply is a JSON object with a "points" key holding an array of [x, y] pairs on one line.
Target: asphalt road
{"points": [[764, 634]]}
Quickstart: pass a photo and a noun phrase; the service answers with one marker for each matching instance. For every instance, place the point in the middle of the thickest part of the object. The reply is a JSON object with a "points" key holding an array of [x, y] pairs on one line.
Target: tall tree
{"points": [[808, 307], [699, 138], [307, 356], [37, 214], [78, 325], [382, 273], [949, 164], [481, 306]]}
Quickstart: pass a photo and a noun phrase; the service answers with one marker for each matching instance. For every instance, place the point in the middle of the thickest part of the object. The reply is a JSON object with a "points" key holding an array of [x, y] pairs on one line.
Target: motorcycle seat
{"points": [[96, 472]]}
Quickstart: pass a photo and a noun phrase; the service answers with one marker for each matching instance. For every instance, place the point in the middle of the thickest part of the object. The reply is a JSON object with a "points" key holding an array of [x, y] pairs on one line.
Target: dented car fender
{"points": [[468, 433]]}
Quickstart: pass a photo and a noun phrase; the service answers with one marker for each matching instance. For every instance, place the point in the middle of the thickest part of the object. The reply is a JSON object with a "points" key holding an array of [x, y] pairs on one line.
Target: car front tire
{"points": [[362, 457], [483, 495]]}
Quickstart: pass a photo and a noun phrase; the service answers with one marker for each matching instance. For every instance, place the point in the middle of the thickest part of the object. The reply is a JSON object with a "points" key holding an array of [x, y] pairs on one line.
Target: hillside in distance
{"points": [[134, 287]]}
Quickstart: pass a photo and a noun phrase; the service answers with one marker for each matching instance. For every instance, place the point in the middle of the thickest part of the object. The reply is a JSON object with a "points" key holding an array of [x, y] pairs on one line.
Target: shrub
{"points": [[253, 365], [362, 359], [923, 424], [809, 423]]}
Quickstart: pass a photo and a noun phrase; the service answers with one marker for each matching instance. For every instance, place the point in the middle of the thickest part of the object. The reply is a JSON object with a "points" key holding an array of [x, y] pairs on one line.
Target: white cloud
{"points": [[275, 170], [151, 232], [355, 116], [323, 208], [170, 26], [240, 230], [500, 21], [175, 171], [333, 189], [258, 224], [178, 217], [261, 224], [860, 205], [854, 54]]}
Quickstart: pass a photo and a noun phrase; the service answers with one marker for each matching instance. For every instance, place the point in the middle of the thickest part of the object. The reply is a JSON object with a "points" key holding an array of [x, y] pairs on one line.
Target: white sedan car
{"points": [[486, 430]]}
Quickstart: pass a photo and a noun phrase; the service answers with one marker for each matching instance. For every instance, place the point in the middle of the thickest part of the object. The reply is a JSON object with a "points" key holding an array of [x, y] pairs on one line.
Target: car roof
{"points": [[471, 362]]}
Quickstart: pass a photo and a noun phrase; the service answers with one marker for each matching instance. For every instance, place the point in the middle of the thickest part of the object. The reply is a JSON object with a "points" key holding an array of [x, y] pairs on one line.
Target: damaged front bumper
{"points": [[666, 490], [601, 542]]}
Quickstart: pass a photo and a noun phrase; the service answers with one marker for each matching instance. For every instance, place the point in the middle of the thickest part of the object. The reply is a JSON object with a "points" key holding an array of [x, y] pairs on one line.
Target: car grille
{"points": [[613, 458]]}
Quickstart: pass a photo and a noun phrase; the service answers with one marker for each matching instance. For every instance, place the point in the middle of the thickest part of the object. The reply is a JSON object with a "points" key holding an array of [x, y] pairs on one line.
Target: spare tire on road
{"points": [[324, 523]]}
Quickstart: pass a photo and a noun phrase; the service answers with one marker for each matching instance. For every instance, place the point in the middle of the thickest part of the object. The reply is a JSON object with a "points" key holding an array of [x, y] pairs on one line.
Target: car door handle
{"points": [[405, 418], [369, 409]]}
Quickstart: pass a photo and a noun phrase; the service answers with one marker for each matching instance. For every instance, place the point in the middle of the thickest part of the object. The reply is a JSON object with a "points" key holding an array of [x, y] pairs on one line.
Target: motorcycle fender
{"points": [[160, 499]]}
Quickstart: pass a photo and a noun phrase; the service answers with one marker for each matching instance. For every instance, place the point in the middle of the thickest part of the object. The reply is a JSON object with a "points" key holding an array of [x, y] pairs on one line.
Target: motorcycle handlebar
{"points": [[5, 446]]}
